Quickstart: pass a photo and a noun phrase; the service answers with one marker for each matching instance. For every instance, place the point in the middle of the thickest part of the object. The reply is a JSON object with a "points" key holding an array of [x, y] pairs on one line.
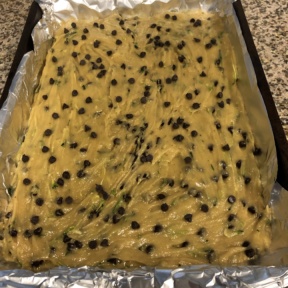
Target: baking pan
{"points": [[26, 45]]}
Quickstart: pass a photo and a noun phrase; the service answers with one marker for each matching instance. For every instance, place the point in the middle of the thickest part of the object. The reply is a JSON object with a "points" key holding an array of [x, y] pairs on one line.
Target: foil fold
{"points": [[19, 103]]}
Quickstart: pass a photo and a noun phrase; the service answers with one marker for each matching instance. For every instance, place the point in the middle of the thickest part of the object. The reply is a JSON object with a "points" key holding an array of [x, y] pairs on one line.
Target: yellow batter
{"points": [[138, 151]]}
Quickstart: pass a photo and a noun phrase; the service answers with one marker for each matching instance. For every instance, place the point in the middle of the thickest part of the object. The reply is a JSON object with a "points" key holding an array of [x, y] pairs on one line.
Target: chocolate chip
{"points": [[81, 174], [181, 58], [250, 253], [197, 23], [114, 32], [218, 125], [231, 217], [164, 207], [178, 138], [245, 244], [187, 160], [92, 244], [118, 42], [8, 215], [65, 106], [59, 212], [104, 243], [160, 196], [78, 244], [13, 232], [113, 82], [257, 151], [204, 208], [69, 200], [188, 217], [52, 159], [226, 147], [149, 249], [238, 164], [129, 116], [247, 180], [195, 105], [194, 133], [48, 132], [66, 238], [38, 231], [167, 104], [251, 209], [37, 263], [174, 17], [188, 96], [74, 42], [93, 135], [25, 158], [74, 93], [35, 219], [157, 228], [231, 199], [96, 44], [28, 233], [131, 80], [26, 181], [135, 225]]}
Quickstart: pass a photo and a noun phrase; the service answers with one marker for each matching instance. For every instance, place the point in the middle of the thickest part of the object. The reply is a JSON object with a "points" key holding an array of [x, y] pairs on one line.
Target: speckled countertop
{"points": [[268, 21]]}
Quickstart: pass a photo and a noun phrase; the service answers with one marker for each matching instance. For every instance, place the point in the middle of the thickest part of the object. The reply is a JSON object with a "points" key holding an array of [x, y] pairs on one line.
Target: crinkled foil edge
{"points": [[21, 98]]}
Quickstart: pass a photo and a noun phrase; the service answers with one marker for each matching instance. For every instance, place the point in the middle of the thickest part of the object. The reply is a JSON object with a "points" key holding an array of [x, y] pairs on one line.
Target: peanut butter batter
{"points": [[138, 151]]}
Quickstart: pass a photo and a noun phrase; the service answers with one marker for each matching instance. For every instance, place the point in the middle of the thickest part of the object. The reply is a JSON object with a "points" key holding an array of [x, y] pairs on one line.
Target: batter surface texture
{"points": [[138, 151]]}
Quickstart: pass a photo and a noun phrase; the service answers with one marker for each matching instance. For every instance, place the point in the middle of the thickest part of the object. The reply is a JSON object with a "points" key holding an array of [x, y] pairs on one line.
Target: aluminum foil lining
{"points": [[14, 116], [194, 277]]}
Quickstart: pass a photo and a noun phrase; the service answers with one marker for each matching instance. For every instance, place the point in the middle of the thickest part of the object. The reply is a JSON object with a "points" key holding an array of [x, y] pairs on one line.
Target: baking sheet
{"points": [[34, 61]]}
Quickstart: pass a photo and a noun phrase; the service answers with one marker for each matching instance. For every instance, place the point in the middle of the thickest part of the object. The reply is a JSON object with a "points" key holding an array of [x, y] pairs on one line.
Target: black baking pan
{"points": [[26, 45]]}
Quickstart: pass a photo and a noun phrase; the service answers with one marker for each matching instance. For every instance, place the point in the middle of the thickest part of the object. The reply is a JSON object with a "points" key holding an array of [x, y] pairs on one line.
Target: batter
{"points": [[138, 151]]}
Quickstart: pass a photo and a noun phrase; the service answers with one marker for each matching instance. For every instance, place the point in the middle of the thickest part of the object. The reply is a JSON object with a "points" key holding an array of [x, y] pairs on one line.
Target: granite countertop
{"points": [[268, 21]]}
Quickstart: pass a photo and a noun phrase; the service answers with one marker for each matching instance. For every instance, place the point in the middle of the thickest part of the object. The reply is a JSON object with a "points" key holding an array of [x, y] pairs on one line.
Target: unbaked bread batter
{"points": [[138, 151]]}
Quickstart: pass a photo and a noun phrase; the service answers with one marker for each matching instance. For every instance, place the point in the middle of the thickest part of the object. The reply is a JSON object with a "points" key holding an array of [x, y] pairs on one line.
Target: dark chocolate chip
{"points": [[38, 231], [93, 135], [135, 225], [26, 181], [60, 182], [35, 219], [204, 208], [231, 199], [250, 253], [28, 233], [251, 209], [104, 243], [52, 159], [59, 212], [164, 207], [92, 244], [188, 217], [48, 132], [157, 228], [37, 263], [245, 244], [25, 158], [196, 105], [247, 180]]}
